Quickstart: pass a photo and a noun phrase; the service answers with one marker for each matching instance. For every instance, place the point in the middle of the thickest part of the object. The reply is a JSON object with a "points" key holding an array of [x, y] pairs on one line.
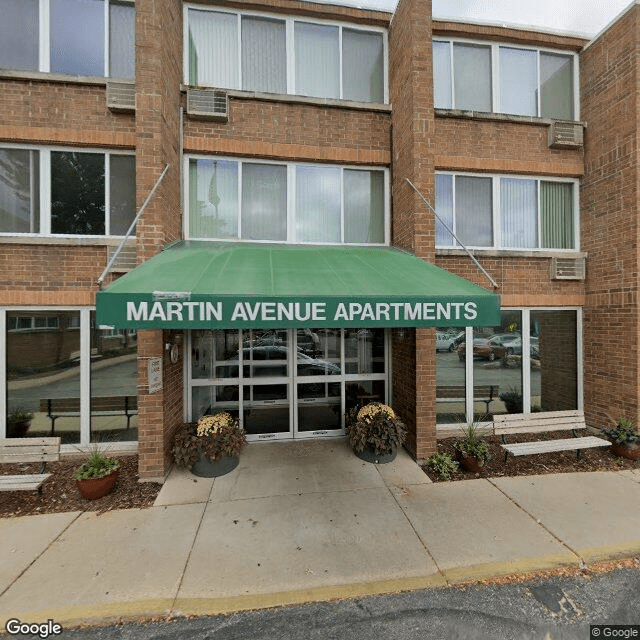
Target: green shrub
{"points": [[98, 466], [443, 464]]}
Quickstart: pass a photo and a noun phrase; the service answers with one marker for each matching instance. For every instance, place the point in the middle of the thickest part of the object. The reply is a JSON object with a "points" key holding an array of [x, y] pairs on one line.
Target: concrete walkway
{"points": [[303, 521]]}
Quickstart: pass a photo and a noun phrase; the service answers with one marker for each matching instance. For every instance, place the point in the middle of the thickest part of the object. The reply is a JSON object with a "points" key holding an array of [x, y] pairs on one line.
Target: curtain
{"points": [[122, 40], [19, 35], [472, 77], [556, 211], [317, 204], [213, 199], [363, 206], [77, 37], [317, 60], [264, 56], [19, 191], [518, 81], [362, 66], [474, 220], [444, 209], [442, 75], [213, 49], [264, 202], [556, 86], [518, 213]]}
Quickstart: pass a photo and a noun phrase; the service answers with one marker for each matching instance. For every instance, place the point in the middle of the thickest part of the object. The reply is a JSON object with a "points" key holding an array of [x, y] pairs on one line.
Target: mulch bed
{"points": [[59, 492], [599, 459]]}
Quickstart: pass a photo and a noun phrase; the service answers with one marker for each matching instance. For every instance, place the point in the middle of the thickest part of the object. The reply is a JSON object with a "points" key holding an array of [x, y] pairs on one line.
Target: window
{"points": [[280, 55], [504, 79], [83, 193], [80, 37], [279, 202], [506, 212]]}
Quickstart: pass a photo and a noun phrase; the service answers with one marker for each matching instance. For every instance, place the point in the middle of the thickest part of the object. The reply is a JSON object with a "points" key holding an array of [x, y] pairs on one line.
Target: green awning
{"points": [[239, 285]]}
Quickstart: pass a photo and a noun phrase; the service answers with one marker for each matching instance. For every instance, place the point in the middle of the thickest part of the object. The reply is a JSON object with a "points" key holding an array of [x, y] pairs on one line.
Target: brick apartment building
{"points": [[285, 264]]}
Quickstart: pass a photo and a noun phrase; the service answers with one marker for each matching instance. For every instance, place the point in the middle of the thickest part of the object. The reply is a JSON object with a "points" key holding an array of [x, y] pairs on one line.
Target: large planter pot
{"points": [[631, 451], [18, 429], [369, 455], [94, 488], [206, 468]]}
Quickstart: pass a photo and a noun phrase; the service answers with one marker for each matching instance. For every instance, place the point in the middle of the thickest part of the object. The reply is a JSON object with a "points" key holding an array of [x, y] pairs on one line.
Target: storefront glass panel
{"points": [[266, 409], [497, 367], [319, 406], [114, 383], [364, 351], [450, 376], [361, 392], [43, 370], [554, 360]]}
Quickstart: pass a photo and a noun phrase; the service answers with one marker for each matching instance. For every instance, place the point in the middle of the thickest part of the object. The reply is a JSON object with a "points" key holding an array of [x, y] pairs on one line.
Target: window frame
{"points": [[44, 213], [44, 38], [496, 217], [496, 97], [291, 199], [289, 21]]}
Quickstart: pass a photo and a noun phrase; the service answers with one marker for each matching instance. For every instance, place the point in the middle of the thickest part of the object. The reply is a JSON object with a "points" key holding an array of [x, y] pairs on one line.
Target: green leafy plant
{"points": [[625, 433], [442, 464], [19, 414], [512, 399], [472, 445], [97, 466], [374, 426], [214, 435]]}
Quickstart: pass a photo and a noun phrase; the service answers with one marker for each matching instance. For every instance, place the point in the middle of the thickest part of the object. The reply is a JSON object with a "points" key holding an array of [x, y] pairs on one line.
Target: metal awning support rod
{"points": [[116, 253], [444, 224]]}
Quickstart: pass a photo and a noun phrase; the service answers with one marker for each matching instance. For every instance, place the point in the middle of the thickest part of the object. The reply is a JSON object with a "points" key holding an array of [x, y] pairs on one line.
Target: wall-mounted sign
{"points": [[155, 374]]}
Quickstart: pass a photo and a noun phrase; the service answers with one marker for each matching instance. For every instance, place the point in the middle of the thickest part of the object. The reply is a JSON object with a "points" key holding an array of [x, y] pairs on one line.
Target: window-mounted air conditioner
{"points": [[208, 104], [565, 135], [568, 269], [121, 96]]}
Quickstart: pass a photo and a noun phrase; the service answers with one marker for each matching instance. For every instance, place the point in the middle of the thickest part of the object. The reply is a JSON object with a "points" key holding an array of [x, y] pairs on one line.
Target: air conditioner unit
{"points": [[121, 96], [568, 269], [565, 135], [208, 104]]}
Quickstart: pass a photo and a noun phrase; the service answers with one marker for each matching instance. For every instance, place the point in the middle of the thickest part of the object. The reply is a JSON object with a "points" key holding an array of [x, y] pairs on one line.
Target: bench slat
{"points": [[517, 417], [549, 446], [23, 483]]}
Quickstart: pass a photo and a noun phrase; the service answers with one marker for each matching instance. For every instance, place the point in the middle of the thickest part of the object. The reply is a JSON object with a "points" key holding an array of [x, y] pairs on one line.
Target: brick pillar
{"points": [[158, 99], [413, 225]]}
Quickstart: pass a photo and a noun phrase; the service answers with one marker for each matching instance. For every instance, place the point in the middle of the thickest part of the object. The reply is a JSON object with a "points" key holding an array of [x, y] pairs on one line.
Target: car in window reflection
{"points": [[272, 361], [444, 341], [490, 349]]}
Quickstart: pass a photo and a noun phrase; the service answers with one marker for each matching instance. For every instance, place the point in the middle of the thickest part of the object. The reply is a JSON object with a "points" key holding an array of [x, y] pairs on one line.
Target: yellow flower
{"points": [[212, 424], [372, 409]]}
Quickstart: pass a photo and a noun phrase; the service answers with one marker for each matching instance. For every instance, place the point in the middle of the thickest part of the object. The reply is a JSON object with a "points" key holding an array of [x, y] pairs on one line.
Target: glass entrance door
{"points": [[286, 383]]}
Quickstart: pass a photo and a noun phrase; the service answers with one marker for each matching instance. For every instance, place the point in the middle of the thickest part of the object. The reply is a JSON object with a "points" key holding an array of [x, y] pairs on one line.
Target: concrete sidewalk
{"points": [[304, 521]]}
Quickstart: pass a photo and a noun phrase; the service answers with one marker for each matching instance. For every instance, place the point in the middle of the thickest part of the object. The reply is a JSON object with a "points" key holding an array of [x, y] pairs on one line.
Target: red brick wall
{"points": [[284, 131], [610, 82]]}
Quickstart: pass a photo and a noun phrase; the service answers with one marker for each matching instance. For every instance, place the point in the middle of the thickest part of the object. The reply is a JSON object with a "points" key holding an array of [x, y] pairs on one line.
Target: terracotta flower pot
{"points": [[93, 488], [631, 451], [469, 463]]}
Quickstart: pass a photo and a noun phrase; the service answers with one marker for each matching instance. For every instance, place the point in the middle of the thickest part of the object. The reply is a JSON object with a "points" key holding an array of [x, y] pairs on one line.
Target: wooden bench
{"points": [[486, 393], [17, 450], [100, 406], [515, 423]]}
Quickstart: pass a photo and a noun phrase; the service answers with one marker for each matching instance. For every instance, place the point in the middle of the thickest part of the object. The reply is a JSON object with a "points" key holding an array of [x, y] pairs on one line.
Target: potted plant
{"points": [[472, 451], [512, 400], [18, 422], [211, 447], [375, 432], [97, 476], [625, 439]]}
